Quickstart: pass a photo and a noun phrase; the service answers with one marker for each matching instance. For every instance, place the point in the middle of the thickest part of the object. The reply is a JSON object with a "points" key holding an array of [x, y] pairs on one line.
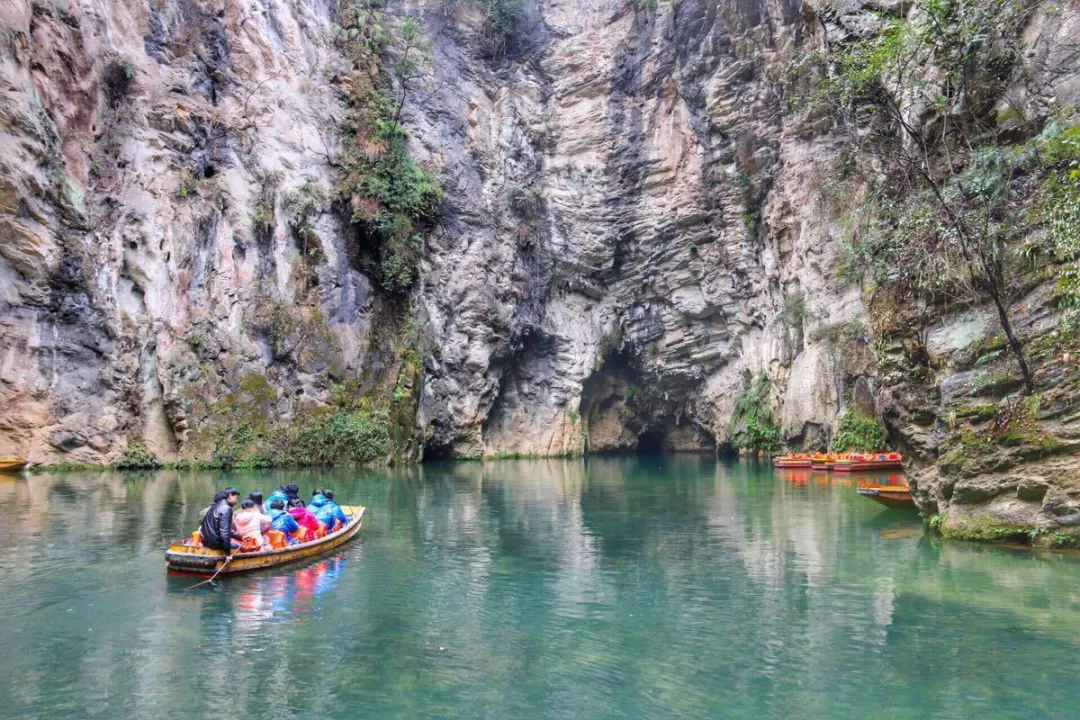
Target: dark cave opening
{"points": [[437, 453], [651, 442]]}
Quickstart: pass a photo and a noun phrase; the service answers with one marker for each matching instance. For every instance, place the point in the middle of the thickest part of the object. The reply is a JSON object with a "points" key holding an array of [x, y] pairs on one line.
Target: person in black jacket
{"points": [[217, 525]]}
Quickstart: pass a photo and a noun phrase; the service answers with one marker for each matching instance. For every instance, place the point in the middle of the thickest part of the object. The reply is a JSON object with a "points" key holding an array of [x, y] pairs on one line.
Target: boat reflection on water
{"points": [[257, 602], [795, 476], [800, 476], [893, 479], [293, 592]]}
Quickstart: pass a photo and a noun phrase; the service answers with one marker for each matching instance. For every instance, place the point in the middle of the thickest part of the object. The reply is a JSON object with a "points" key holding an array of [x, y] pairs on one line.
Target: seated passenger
{"points": [[317, 498], [278, 494], [256, 497], [282, 521], [339, 514], [292, 491], [250, 523], [328, 511], [304, 517]]}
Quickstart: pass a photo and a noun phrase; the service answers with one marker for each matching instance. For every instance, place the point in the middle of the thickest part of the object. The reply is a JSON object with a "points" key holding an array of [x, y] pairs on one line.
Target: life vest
{"points": [[250, 544], [277, 539]]}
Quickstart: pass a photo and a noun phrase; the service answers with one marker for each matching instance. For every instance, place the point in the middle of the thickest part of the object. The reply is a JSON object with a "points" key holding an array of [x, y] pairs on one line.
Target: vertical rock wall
{"points": [[628, 214], [630, 230]]}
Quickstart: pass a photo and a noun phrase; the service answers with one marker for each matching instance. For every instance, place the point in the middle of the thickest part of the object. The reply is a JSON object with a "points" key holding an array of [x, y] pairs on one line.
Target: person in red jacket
{"points": [[304, 517]]}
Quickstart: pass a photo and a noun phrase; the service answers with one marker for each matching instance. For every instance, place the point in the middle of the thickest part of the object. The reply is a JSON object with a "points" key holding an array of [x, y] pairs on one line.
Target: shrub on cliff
{"points": [[327, 437], [138, 457], [391, 198], [859, 433], [752, 428]]}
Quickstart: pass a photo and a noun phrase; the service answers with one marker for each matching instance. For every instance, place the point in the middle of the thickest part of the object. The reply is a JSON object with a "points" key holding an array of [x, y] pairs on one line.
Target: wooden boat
{"points": [[893, 496], [12, 464], [858, 462], [825, 461], [184, 558], [791, 461]]}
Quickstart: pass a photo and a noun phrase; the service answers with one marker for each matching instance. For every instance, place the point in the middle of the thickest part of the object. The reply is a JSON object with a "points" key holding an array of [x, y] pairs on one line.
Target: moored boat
{"points": [[893, 496], [825, 461], [12, 464], [858, 462], [791, 461], [184, 558]]}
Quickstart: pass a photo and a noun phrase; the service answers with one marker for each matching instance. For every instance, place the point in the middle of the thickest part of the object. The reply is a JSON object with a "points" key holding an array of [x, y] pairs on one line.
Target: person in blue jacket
{"points": [[338, 513], [318, 506], [281, 520], [278, 494]]}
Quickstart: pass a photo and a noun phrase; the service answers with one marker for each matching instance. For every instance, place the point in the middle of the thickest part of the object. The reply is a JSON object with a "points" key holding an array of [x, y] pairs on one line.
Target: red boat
{"points": [[791, 461], [857, 462]]}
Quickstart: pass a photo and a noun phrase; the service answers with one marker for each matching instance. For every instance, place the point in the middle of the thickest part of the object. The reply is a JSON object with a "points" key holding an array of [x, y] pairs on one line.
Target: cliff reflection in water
{"points": [[613, 587]]}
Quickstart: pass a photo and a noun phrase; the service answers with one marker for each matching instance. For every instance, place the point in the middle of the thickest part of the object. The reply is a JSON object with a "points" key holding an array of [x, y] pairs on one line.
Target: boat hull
{"points": [[890, 496], [848, 466], [791, 463], [180, 558], [12, 465]]}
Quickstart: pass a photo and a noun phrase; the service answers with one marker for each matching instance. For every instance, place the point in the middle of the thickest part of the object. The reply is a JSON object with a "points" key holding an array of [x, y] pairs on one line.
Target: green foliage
{"points": [[391, 197], [752, 427], [794, 313], [398, 262], [859, 433], [328, 438], [296, 331], [837, 332], [138, 457], [502, 17]]}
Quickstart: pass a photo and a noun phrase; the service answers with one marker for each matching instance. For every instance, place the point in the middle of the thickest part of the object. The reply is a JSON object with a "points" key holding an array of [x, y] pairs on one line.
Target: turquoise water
{"points": [[669, 587]]}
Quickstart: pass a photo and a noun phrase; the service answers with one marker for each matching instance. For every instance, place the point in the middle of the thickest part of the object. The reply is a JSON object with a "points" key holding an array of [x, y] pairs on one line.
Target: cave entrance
{"points": [[437, 453], [651, 442]]}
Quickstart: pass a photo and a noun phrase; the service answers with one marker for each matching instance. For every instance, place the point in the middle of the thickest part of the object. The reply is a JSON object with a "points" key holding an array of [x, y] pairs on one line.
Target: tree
{"points": [[944, 212], [412, 65]]}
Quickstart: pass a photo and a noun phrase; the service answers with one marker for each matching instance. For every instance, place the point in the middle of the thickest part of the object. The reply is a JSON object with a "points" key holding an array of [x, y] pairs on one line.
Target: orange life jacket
{"points": [[277, 539]]}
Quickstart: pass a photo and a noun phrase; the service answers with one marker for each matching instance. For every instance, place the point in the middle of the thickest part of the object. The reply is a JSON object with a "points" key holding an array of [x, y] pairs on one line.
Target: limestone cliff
{"points": [[635, 225]]}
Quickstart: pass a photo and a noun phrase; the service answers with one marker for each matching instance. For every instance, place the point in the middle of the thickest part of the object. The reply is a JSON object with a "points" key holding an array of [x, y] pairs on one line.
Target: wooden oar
{"points": [[227, 561]]}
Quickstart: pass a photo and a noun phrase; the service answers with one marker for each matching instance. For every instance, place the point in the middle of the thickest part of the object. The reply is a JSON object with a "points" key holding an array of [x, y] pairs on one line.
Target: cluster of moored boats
{"points": [[894, 496], [842, 462]]}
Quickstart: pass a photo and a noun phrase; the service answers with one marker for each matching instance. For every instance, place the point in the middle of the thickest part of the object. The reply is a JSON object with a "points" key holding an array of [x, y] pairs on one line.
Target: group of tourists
{"points": [[281, 520]]}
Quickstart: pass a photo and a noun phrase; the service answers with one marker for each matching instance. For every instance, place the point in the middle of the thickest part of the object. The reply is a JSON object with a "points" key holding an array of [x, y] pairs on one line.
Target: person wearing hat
{"points": [[216, 527]]}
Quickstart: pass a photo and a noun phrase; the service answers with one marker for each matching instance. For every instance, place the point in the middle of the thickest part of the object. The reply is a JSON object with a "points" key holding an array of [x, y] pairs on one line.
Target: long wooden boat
{"points": [[12, 464], [893, 496], [857, 462], [184, 558], [825, 461], [791, 461]]}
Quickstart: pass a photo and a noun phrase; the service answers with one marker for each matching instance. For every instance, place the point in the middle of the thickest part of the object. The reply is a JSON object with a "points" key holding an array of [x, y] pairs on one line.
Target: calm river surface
{"points": [[671, 587]]}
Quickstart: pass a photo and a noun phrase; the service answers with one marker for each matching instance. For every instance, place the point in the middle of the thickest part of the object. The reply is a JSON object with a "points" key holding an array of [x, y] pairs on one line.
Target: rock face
{"points": [[149, 153], [634, 227], [626, 213], [630, 213]]}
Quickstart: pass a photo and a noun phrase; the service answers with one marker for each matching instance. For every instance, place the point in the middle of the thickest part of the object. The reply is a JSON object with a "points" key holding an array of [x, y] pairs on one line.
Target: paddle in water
{"points": [[212, 577]]}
